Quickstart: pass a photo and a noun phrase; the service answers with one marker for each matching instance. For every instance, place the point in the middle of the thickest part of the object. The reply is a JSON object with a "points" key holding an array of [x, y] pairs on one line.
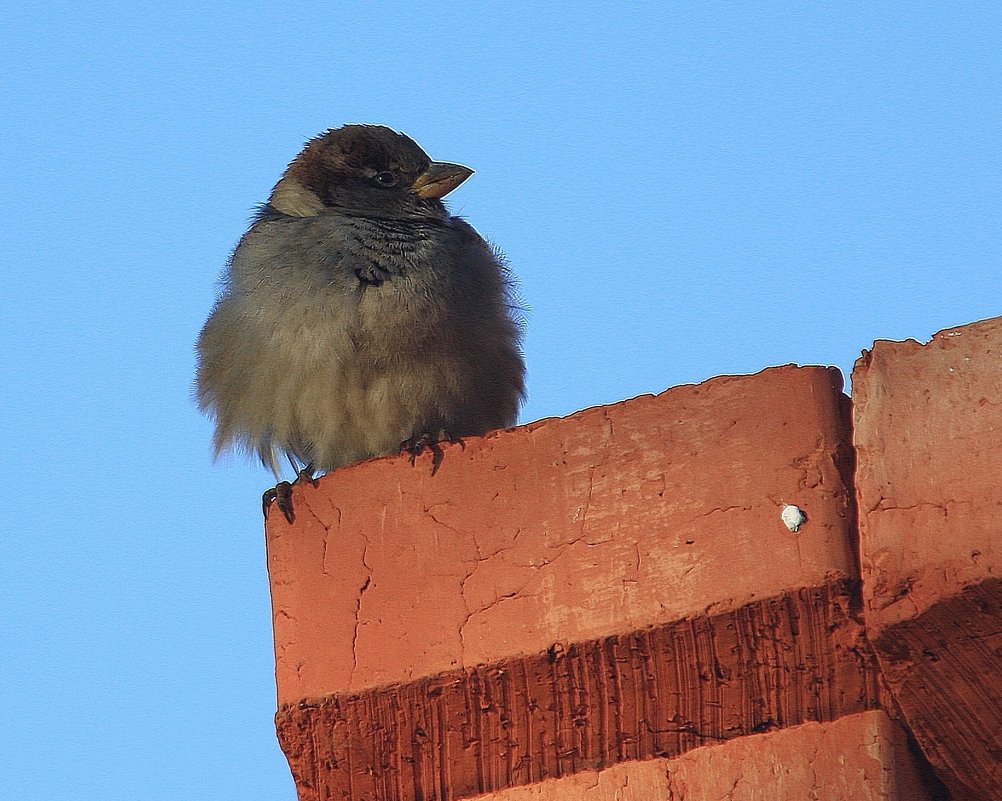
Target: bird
{"points": [[357, 317]]}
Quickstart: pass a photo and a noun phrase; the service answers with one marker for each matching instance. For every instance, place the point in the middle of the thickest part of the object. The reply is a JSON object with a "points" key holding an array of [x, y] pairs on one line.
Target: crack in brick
{"points": [[358, 607], [561, 549], [720, 510], [327, 531], [943, 506], [306, 503], [587, 504], [331, 529]]}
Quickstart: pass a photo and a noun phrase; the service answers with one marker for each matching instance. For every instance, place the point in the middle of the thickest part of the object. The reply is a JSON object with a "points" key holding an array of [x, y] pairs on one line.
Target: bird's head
{"points": [[368, 170]]}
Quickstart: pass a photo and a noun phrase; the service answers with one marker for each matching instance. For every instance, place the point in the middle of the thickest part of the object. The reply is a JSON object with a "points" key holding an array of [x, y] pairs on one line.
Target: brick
{"points": [[571, 594], [613, 519], [928, 432], [661, 691], [864, 757]]}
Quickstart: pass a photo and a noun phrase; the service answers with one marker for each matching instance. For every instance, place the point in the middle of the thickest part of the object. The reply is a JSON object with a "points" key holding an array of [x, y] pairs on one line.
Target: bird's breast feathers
{"points": [[323, 286]]}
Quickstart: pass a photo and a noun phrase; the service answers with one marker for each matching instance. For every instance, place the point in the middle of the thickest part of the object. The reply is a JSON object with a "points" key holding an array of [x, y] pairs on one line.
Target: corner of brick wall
{"points": [[604, 600]]}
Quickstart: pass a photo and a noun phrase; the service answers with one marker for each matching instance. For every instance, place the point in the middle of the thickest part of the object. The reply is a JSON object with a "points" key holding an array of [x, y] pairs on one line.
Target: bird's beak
{"points": [[440, 179]]}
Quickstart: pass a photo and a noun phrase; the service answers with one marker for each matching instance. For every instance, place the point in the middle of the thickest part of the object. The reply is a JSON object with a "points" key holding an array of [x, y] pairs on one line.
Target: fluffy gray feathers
{"points": [[357, 313]]}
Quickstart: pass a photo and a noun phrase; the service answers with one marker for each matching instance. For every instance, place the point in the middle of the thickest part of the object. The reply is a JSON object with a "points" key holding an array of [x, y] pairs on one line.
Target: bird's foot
{"points": [[416, 445], [306, 474], [281, 494]]}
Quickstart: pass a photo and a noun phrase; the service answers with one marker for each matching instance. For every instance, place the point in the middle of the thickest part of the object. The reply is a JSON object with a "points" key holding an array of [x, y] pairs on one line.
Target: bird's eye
{"points": [[386, 178]]}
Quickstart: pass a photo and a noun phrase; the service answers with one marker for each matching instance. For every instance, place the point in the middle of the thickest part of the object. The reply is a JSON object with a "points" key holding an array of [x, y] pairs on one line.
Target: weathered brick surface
{"points": [[578, 608], [862, 757], [571, 594], [663, 691], [609, 521], [928, 431]]}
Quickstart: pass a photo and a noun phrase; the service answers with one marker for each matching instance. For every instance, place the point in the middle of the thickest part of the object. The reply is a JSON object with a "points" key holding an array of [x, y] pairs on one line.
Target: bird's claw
{"points": [[416, 445], [306, 474], [281, 494]]}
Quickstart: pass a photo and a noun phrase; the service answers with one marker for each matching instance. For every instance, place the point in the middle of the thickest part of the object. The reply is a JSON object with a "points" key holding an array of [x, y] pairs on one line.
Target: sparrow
{"points": [[358, 317]]}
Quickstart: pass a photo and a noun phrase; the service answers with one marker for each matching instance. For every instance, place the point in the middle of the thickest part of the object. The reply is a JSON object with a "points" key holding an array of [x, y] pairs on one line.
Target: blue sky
{"points": [[682, 193]]}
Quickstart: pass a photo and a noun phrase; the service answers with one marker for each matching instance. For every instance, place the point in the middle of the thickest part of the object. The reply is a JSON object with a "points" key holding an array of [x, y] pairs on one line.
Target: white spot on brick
{"points": [[793, 517]]}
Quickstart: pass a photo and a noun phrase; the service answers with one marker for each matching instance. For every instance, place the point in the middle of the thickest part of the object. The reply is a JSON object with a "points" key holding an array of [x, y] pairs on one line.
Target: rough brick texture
{"points": [[562, 531], [608, 606], [864, 757], [663, 691], [928, 431], [571, 594]]}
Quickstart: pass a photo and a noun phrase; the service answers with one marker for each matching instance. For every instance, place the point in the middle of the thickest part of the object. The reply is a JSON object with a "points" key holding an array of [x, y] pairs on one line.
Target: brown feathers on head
{"points": [[336, 169], [359, 150]]}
